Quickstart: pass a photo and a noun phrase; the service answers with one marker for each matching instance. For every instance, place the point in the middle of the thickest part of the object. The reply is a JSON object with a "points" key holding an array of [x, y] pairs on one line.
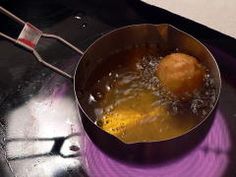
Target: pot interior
{"points": [[164, 37]]}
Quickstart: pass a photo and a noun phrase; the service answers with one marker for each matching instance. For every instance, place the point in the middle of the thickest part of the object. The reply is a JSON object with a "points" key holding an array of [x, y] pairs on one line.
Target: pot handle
{"points": [[29, 37]]}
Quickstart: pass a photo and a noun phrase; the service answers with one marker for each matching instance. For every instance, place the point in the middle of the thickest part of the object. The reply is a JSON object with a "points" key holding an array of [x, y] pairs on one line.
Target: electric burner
{"points": [[209, 159], [40, 129]]}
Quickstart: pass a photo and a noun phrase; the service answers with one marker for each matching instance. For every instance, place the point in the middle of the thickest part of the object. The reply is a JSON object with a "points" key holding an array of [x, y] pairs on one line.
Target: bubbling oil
{"points": [[130, 103]]}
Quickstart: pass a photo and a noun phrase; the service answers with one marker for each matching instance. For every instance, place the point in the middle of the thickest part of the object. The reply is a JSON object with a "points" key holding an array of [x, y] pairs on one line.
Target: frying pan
{"points": [[167, 37]]}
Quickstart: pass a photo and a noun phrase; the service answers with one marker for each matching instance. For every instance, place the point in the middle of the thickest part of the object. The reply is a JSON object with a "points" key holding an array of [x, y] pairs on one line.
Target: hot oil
{"points": [[130, 104]]}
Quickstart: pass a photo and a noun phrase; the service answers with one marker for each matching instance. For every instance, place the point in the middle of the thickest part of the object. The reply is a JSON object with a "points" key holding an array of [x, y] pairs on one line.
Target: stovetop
{"points": [[40, 128]]}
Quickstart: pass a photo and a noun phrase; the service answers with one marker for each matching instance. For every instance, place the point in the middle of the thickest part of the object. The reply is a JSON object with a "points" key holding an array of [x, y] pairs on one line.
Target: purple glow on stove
{"points": [[60, 91], [209, 159]]}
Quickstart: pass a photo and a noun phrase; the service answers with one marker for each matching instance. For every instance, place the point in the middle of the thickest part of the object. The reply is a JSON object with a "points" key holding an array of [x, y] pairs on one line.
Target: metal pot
{"points": [[166, 37]]}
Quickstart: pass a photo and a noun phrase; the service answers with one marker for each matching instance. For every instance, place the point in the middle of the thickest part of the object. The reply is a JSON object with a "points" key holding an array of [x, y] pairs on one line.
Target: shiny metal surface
{"points": [[167, 38], [22, 79]]}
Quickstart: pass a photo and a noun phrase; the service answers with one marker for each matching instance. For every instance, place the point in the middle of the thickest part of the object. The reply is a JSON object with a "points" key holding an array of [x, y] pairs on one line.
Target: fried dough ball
{"points": [[181, 74]]}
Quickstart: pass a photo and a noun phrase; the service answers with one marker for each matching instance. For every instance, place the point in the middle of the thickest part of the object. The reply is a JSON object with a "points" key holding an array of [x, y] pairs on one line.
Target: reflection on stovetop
{"points": [[37, 139], [42, 138], [41, 133]]}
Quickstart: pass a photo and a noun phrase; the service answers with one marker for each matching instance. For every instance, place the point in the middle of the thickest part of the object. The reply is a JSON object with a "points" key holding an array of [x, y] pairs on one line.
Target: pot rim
{"points": [[154, 25]]}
